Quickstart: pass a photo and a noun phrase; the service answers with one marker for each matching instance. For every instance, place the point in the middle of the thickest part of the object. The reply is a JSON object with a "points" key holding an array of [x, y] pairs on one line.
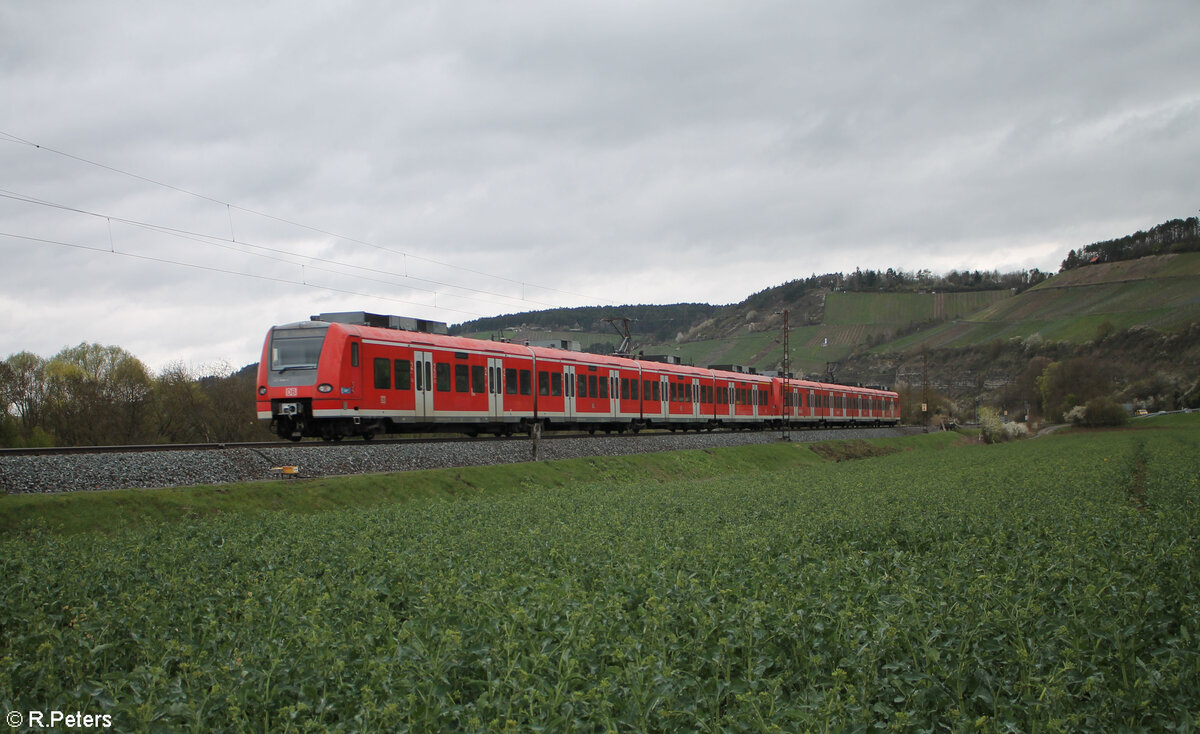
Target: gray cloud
{"points": [[649, 152]]}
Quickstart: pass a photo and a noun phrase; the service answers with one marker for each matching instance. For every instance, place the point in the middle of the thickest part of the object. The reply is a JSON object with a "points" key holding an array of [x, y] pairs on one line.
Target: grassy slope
{"points": [[850, 319], [75, 512], [1161, 292]]}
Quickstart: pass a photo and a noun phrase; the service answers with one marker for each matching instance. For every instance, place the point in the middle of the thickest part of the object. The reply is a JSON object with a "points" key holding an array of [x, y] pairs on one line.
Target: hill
{"points": [[1137, 321], [1161, 292], [828, 325]]}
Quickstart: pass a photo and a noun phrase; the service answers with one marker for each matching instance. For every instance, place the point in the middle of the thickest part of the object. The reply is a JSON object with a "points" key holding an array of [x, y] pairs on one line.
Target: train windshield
{"points": [[296, 349]]}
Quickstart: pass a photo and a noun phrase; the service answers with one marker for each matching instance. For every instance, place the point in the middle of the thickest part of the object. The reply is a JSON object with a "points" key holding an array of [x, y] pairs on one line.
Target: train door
{"points": [[495, 371], [664, 384], [569, 392], [355, 371], [614, 393], [423, 372], [695, 397]]}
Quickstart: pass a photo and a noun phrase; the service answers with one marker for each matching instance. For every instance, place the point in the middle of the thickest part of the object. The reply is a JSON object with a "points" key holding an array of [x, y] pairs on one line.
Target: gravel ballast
{"points": [[89, 472]]}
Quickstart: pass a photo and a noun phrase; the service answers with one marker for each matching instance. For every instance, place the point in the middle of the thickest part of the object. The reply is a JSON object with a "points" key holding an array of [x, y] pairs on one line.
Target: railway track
{"points": [[93, 468], [166, 447], [313, 444]]}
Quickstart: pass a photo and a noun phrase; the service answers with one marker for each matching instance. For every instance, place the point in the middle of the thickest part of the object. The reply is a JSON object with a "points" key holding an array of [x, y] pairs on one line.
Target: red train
{"points": [[332, 379]]}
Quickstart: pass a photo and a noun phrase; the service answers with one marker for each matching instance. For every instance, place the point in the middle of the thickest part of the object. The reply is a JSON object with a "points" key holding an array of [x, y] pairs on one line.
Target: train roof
{"points": [[468, 344]]}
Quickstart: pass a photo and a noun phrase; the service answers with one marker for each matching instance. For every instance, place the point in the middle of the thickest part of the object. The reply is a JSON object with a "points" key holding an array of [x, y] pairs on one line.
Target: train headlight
{"points": [[325, 387], [262, 390]]}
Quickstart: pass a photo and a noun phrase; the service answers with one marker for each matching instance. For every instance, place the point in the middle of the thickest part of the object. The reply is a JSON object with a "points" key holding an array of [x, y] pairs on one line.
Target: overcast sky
{"points": [[176, 178]]}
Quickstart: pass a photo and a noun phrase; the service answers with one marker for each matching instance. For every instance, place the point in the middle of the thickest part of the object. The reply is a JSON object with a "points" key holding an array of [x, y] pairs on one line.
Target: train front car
{"points": [[296, 375]]}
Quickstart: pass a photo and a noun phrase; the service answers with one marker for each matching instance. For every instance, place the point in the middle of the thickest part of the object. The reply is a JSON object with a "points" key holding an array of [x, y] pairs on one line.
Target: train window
{"points": [[460, 355], [624, 388], [462, 380], [671, 389], [592, 387], [353, 354], [383, 373], [478, 379], [543, 383], [403, 374], [603, 389], [510, 381], [633, 389], [526, 382], [556, 384], [687, 389], [296, 348], [443, 377], [582, 391]]}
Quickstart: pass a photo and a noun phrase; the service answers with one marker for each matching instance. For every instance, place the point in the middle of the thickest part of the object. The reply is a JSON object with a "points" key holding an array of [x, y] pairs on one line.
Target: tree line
{"points": [[1176, 235], [894, 280], [93, 395], [658, 323]]}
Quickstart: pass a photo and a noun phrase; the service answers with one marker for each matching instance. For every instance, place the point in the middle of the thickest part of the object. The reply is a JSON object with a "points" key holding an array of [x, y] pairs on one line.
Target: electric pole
{"points": [[787, 376], [925, 387]]}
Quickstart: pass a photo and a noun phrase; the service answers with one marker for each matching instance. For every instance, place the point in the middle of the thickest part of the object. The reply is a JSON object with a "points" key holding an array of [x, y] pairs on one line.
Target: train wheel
{"points": [[368, 435]]}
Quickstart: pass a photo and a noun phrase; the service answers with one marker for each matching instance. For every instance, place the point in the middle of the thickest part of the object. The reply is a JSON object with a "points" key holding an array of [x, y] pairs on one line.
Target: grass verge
{"points": [[75, 512]]}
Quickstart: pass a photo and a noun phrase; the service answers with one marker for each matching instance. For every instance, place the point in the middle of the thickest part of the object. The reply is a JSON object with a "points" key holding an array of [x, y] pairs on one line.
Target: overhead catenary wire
{"points": [[273, 279], [213, 241], [15, 139]]}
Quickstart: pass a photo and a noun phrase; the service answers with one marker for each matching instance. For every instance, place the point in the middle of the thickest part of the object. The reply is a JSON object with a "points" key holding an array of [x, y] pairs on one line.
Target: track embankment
{"points": [[100, 471]]}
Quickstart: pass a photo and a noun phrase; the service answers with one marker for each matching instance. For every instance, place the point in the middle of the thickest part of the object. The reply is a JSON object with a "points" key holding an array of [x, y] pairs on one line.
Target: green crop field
{"points": [[1051, 584]]}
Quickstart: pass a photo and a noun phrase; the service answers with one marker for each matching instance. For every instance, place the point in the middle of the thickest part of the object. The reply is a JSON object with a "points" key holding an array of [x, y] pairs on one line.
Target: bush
{"points": [[1104, 412], [995, 430]]}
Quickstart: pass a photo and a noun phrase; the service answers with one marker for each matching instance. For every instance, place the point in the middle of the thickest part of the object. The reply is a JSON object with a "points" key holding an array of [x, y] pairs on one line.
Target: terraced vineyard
{"points": [[1050, 584], [904, 308], [1159, 292]]}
